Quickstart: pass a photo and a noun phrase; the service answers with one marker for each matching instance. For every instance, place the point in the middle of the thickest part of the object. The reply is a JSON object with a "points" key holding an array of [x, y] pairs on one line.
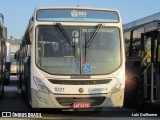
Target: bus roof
{"points": [[142, 21], [90, 8]]}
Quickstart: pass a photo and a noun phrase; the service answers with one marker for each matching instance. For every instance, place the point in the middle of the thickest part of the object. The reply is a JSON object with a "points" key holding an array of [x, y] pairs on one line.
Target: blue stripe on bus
{"points": [[77, 19]]}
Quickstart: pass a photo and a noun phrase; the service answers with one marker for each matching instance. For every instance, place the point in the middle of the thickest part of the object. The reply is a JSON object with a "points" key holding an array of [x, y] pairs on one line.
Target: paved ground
{"points": [[13, 101]]}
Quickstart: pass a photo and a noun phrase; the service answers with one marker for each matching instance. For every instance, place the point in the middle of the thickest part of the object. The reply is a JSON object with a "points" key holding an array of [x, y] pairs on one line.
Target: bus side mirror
{"points": [[27, 38]]}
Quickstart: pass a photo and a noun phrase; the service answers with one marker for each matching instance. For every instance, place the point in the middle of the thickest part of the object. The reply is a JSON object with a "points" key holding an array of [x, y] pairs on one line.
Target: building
{"points": [[14, 46]]}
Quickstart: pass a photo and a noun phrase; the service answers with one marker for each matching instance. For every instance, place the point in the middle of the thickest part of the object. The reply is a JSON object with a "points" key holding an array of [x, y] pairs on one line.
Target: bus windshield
{"points": [[55, 54]]}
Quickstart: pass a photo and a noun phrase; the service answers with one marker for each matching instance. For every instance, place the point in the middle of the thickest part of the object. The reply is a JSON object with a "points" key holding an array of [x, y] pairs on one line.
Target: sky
{"points": [[18, 12]]}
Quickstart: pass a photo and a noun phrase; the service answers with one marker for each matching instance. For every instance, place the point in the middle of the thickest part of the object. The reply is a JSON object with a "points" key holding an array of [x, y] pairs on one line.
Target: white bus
{"points": [[73, 58], [3, 37]]}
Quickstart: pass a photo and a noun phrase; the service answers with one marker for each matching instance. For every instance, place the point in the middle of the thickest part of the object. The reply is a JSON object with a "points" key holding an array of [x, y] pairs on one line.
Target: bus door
{"points": [[149, 66], [157, 68]]}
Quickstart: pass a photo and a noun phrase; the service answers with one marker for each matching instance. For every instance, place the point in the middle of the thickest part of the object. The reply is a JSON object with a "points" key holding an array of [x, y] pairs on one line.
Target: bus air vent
{"points": [[80, 82]]}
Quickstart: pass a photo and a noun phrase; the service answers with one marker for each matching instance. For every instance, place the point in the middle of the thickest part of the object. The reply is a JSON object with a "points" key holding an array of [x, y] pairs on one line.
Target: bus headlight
{"points": [[116, 87], [41, 86]]}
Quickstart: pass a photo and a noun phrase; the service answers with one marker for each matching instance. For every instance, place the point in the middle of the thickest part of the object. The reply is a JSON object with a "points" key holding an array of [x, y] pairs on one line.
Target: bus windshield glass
{"points": [[77, 15], [57, 55]]}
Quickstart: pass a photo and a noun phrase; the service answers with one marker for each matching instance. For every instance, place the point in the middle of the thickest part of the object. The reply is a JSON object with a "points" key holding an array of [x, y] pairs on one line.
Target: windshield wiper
{"points": [[61, 28], [94, 35]]}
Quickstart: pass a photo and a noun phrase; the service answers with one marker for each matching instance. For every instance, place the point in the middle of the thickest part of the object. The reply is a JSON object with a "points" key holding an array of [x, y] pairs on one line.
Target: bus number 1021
{"points": [[59, 89]]}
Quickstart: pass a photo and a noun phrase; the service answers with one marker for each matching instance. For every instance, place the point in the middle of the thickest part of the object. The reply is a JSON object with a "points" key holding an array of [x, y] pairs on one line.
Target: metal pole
{"points": [[2, 17]]}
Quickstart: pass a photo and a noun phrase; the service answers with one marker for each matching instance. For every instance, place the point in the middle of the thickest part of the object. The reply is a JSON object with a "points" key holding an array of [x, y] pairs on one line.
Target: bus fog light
{"points": [[42, 100], [41, 86], [116, 87]]}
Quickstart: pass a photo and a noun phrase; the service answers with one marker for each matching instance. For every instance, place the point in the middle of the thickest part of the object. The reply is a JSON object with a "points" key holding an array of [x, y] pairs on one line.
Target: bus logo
{"points": [[74, 13], [81, 90]]}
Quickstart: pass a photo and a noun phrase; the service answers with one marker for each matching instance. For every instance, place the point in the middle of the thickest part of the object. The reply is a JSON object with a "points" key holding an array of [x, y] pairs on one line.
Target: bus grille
{"points": [[68, 101], [80, 82]]}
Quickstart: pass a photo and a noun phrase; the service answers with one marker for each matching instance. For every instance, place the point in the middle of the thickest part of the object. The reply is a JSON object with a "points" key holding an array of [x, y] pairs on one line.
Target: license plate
{"points": [[80, 105]]}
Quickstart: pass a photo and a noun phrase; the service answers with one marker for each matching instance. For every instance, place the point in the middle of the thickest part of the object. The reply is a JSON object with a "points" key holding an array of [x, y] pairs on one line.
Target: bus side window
{"points": [[136, 43], [127, 36]]}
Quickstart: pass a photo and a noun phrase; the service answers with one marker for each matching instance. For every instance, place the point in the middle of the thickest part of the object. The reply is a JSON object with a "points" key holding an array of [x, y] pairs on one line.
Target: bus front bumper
{"points": [[42, 100]]}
